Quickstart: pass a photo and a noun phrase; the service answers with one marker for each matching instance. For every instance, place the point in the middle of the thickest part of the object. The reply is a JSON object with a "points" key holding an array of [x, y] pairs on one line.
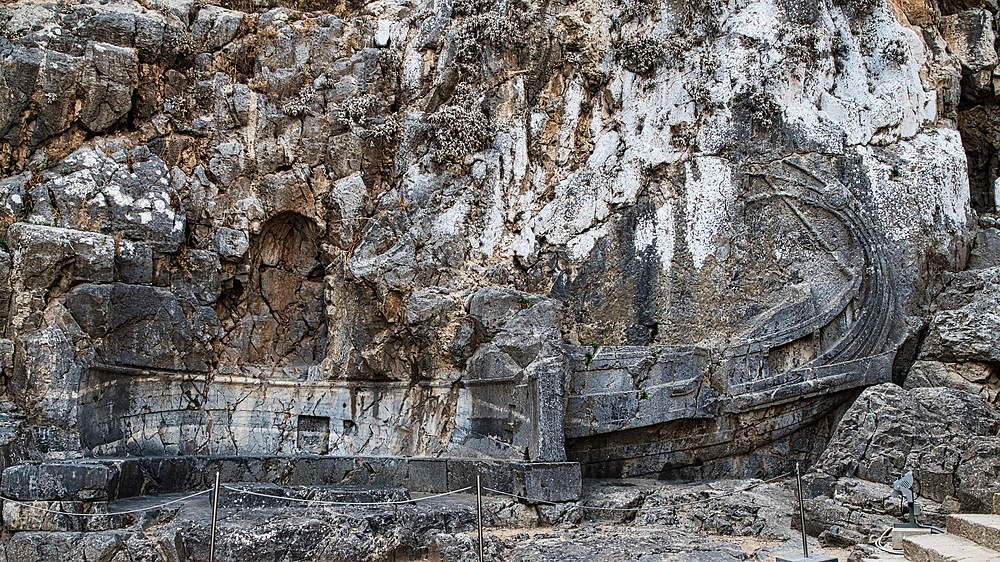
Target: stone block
{"points": [[165, 475], [58, 481], [553, 482], [39, 516], [900, 533], [54, 516], [321, 470], [982, 529], [379, 472], [427, 475], [493, 474], [945, 548]]}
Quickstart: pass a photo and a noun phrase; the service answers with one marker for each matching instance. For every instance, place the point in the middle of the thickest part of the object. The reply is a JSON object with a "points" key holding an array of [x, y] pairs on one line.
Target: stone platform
{"points": [[970, 538], [109, 479]]}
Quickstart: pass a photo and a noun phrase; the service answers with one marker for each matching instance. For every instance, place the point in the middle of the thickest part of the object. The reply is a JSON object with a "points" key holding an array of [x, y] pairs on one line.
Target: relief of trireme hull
{"points": [[822, 329]]}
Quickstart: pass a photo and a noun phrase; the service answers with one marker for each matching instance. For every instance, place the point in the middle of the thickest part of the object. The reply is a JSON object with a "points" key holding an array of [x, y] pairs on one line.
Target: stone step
{"points": [[982, 529], [946, 548]]}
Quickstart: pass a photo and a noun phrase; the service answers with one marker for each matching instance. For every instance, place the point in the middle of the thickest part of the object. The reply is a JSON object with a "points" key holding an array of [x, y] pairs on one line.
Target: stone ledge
{"points": [[981, 529], [111, 479], [945, 548]]}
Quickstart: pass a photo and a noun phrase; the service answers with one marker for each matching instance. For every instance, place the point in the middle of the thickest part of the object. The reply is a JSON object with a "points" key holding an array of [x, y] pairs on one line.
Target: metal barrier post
{"points": [[215, 518], [802, 511], [479, 507]]}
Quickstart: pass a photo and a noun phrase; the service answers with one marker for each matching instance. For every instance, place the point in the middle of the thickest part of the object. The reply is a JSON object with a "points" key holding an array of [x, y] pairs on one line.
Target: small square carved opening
{"points": [[314, 434], [350, 428]]}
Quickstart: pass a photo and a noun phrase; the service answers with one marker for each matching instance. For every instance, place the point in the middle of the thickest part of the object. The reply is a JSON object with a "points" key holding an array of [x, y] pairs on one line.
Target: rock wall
{"points": [[397, 227]]}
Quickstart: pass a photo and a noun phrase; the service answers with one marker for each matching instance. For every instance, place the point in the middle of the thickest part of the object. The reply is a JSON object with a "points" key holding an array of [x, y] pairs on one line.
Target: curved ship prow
{"points": [[698, 410]]}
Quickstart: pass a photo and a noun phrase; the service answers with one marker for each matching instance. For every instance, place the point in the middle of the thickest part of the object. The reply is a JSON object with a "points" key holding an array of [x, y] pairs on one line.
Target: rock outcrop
{"points": [[645, 236]]}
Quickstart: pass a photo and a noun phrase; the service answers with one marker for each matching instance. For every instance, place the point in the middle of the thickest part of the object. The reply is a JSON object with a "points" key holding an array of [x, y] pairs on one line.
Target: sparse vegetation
{"points": [[381, 133], [460, 128], [470, 7], [642, 56], [633, 10], [357, 110], [860, 7], [758, 107], [299, 105], [896, 51], [490, 28]]}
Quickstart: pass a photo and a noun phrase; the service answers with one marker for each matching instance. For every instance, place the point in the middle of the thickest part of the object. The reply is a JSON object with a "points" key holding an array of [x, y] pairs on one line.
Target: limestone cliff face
{"points": [[311, 227]]}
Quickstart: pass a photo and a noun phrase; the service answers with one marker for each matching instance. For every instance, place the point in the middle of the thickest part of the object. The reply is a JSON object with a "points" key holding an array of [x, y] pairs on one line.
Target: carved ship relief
{"points": [[660, 410]]}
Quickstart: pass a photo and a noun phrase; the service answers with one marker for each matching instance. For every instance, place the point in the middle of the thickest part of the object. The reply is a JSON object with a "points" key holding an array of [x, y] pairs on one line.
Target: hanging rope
{"points": [[345, 504], [110, 514]]}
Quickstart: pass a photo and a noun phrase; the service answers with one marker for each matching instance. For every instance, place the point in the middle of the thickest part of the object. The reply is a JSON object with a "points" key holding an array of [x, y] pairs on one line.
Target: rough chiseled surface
{"points": [[644, 236]]}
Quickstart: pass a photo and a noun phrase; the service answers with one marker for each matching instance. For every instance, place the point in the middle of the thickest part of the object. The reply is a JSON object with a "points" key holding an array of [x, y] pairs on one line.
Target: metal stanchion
{"points": [[479, 506], [215, 518], [804, 557], [802, 512]]}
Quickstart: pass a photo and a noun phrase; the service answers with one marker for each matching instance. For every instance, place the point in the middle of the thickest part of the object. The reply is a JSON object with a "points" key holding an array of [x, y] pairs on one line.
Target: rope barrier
{"points": [[346, 504], [373, 504], [529, 500], [111, 514]]}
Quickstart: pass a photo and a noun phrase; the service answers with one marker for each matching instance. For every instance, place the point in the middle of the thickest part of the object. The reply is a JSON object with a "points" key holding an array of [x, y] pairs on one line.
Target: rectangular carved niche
{"points": [[314, 434]]}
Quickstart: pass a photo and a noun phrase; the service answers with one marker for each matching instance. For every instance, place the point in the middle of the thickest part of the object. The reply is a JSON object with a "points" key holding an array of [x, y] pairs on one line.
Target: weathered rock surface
{"points": [[963, 329], [409, 228], [947, 437], [745, 520]]}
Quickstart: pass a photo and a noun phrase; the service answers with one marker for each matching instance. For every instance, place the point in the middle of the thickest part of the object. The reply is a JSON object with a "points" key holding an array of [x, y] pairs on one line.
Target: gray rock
{"points": [[130, 195], [966, 328], [6, 357], [110, 73], [58, 81], [5, 263], [215, 26], [934, 432], [970, 38], [423, 306], [986, 250], [38, 251], [21, 67], [494, 307], [134, 263], [72, 482], [196, 276], [227, 164], [975, 378], [231, 244]]}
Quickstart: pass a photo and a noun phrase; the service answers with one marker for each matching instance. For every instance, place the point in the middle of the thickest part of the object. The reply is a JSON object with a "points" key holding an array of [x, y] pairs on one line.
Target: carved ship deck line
{"points": [[634, 410]]}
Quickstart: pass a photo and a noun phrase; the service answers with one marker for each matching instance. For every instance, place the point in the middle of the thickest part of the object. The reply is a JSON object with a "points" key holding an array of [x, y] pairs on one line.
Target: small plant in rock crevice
{"points": [[895, 51], [637, 10], [642, 56], [470, 7], [459, 128], [860, 8]]}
